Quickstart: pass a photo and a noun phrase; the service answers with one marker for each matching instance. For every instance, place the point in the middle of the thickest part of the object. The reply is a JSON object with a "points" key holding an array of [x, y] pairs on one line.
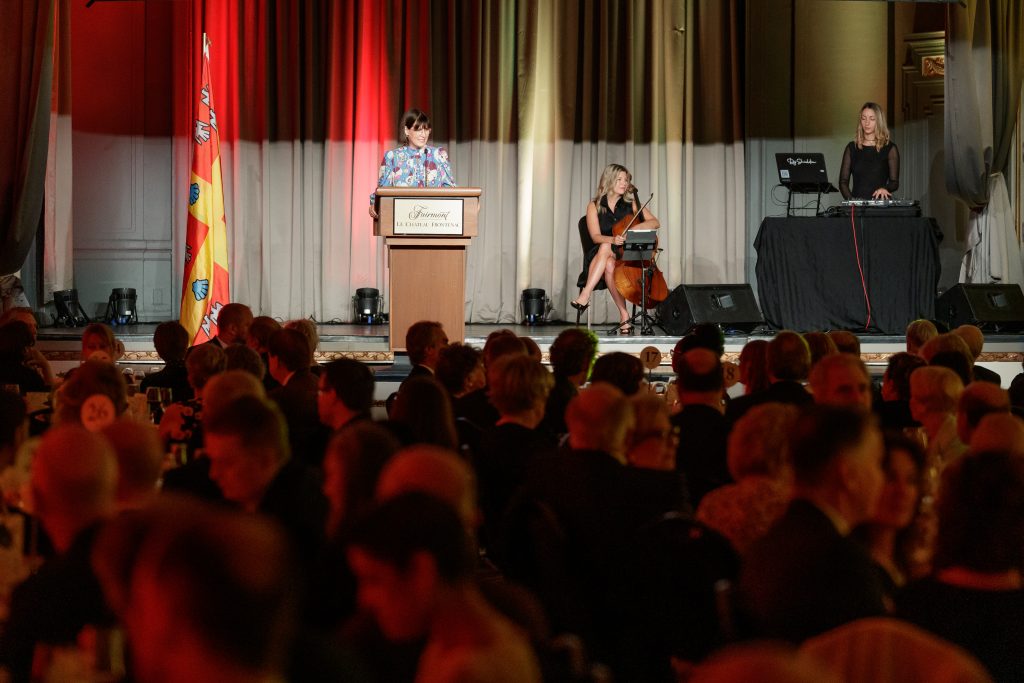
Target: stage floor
{"points": [[369, 343]]}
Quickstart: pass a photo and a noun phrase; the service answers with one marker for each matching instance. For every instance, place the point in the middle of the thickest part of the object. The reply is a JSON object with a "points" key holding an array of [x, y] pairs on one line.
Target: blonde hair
{"points": [[881, 127], [604, 185]]}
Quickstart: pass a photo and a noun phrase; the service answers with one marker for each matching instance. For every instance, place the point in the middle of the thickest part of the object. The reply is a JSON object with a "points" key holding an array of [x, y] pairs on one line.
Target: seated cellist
{"points": [[604, 211]]}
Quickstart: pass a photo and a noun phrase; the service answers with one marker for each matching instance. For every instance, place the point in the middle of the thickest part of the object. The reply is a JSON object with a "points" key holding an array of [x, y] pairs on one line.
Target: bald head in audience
{"points": [[978, 400], [934, 393], [433, 470], [74, 482], [140, 456], [600, 418], [229, 385], [999, 432], [841, 379]]}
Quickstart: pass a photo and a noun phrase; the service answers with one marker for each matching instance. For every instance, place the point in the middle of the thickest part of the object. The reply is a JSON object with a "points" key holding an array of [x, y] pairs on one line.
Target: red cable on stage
{"points": [[860, 268]]}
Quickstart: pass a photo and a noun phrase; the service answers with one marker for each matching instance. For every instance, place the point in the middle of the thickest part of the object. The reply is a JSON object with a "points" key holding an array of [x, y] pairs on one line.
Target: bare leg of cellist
{"points": [[602, 266]]}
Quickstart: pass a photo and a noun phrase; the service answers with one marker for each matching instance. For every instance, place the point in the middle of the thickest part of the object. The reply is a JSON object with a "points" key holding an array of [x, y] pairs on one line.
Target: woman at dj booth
{"points": [[872, 159]]}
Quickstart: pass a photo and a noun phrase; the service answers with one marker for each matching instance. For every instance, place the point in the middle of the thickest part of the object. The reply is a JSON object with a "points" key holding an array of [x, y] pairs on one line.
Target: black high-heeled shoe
{"points": [[580, 308]]}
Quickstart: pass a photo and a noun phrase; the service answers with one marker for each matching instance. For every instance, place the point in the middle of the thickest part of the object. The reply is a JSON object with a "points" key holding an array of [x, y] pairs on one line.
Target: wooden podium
{"points": [[426, 232]]}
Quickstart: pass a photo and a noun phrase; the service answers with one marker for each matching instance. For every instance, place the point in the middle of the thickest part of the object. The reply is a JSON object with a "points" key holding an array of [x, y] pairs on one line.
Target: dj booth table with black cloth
{"points": [[808, 278]]}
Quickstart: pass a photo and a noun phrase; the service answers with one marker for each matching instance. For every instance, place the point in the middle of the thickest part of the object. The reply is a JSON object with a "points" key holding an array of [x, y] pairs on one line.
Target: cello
{"points": [[630, 274]]}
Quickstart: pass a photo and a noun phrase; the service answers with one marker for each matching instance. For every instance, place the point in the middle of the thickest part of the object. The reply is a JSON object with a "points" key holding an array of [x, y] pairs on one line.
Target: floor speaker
{"points": [[993, 308], [731, 306]]}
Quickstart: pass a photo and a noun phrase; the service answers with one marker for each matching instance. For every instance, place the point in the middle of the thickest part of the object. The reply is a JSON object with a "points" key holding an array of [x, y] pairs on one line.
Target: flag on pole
{"points": [[205, 287]]}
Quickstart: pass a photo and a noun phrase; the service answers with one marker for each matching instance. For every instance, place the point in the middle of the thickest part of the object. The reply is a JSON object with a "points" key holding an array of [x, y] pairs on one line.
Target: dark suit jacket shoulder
{"points": [[783, 391], [297, 401], [804, 578]]}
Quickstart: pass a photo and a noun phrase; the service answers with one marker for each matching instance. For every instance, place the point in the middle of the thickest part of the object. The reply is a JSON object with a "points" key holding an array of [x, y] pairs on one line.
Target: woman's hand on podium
{"points": [[373, 213]]}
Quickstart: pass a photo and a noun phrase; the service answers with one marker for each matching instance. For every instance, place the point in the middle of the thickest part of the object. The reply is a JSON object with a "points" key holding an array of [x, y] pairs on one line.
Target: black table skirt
{"points": [[808, 276]]}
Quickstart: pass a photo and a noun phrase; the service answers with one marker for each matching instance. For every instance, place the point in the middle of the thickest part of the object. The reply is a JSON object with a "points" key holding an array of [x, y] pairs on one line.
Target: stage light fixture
{"points": [[69, 310], [121, 306], [535, 305], [367, 305]]}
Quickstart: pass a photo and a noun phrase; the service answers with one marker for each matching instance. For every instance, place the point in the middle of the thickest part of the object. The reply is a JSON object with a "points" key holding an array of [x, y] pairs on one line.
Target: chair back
{"points": [[587, 244]]}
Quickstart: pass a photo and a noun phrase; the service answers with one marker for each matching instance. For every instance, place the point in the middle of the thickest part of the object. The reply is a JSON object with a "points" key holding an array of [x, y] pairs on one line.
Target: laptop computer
{"points": [[803, 172]]}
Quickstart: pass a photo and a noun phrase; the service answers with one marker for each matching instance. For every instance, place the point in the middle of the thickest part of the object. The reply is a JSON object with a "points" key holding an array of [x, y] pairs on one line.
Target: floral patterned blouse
{"points": [[410, 167]]}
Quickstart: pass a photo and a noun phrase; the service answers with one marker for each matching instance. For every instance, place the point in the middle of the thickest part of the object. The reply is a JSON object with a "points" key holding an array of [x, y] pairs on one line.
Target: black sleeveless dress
{"points": [[606, 219]]}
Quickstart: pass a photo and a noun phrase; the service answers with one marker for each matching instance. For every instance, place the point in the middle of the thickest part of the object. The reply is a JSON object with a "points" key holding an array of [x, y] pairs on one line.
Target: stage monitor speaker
{"points": [[993, 308], [731, 306]]}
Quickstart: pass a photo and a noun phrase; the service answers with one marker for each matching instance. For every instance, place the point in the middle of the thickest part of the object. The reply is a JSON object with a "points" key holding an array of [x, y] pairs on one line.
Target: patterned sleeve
{"points": [[444, 168], [384, 174]]}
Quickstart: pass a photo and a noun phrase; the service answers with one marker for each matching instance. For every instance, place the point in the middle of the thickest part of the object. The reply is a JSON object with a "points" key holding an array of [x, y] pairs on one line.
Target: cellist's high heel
{"points": [[580, 308]]}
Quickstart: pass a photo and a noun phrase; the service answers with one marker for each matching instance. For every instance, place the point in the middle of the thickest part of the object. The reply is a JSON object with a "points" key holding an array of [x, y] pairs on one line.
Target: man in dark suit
{"points": [[789, 362], [232, 325], [806, 575], [975, 339], [250, 462], [423, 342], [703, 429], [290, 359], [171, 342], [345, 393]]}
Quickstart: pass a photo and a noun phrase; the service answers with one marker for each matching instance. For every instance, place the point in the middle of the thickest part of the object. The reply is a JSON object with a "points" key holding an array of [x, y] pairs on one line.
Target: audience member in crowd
{"points": [[423, 342], [764, 662], [759, 462], [703, 429], [978, 400], [572, 354], [820, 344], [789, 362], [94, 396], [140, 459], [754, 366], [891, 536], [475, 407], [845, 341], [894, 409], [841, 380], [919, 332], [414, 563], [599, 504], [999, 432], [460, 370], [182, 420], [355, 457], [1017, 394], [15, 342], [258, 339], [955, 361], [703, 336], [308, 330], [74, 479], [436, 471], [975, 340], [806, 575], [345, 393], [532, 349], [934, 395], [212, 595], [193, 477], [232, 325], [975, 597], [520, 392], [37, 361], [422, 413], [13, 427], [99, 339], [623, 371], [290, 359], [655, 440], [171, 342], [247, 444], [241, 357], [945, 342]]}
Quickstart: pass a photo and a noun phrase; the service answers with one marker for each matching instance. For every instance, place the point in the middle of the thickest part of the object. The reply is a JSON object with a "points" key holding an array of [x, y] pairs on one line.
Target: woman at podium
{"points": [[414, 164], [608, 207], [872, 158]]}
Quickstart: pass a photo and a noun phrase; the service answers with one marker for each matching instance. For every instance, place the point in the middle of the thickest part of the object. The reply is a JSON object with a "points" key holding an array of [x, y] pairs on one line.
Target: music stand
{"points": [[641, 245]]}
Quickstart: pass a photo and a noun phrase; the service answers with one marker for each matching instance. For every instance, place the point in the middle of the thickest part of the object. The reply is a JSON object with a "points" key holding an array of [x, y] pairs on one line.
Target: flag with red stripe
{"points": [[206, 286]]}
